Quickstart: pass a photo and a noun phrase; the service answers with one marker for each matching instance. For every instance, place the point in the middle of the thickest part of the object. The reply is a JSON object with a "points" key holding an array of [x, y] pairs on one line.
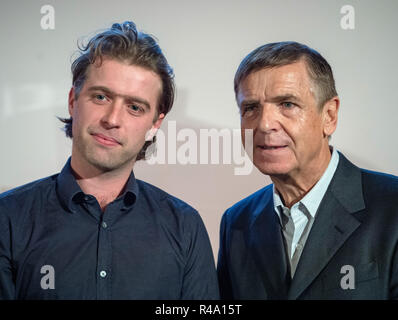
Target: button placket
{"points": [[104, 260]]}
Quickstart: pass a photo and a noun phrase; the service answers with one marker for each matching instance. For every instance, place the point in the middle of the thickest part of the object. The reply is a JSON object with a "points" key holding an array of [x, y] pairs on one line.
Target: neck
{"points": [[293, 187], [105, 186]]}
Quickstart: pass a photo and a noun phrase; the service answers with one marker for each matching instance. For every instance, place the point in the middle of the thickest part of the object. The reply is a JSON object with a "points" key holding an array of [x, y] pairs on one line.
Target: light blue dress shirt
{"points": [[303, 213]]}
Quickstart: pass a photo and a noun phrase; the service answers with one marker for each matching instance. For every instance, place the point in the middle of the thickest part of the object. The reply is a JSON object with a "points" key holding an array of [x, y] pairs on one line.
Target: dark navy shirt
{"points": [[56, 243]]}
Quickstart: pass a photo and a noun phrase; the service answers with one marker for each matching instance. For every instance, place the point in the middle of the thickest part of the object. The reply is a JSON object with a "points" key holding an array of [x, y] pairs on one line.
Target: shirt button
{"points": [[104, 225], [103, 274]]}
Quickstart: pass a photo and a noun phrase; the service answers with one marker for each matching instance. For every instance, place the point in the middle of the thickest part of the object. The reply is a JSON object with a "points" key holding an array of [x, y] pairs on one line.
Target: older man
{"points": [[94, 231], [325, 229]]}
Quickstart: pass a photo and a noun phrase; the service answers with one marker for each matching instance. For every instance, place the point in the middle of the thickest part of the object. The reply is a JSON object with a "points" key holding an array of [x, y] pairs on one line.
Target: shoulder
{"points": [[380, 179], [379, 191], [27, 190], [169, 205], [380, 185], [162, 197], [375, 186], [244, 210], [16, 201]]}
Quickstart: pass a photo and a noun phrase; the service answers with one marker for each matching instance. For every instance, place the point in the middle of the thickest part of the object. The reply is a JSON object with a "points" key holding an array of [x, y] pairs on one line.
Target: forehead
{"points": [[288, 79], [123, 78]]}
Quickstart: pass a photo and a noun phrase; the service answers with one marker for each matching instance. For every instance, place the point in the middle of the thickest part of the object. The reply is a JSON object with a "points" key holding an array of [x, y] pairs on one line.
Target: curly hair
{"points": [[123, 42]]}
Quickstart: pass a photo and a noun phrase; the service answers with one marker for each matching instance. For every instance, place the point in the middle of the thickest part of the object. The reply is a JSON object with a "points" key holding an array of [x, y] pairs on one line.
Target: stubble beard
{"points": [[102, 159]]}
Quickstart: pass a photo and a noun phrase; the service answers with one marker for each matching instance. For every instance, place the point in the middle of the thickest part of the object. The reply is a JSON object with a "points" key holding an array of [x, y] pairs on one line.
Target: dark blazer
{"points": [[356, 224]]}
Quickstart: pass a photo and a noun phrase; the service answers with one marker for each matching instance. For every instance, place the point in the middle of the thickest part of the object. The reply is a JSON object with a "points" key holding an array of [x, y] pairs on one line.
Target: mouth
{"points": [[105, 140], [266, 147]]}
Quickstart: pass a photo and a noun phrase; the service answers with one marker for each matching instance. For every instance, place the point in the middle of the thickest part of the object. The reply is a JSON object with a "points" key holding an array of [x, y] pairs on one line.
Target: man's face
{"points": [[289, 131], [115, 109]]}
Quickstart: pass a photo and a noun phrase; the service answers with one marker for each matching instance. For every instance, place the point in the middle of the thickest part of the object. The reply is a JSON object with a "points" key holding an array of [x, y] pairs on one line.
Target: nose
{"points": [[112, 117], [268, 120]]}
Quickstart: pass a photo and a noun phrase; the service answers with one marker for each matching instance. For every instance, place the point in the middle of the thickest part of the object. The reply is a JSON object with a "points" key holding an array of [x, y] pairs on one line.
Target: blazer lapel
{"points": [[333, 225], [266, 245]]}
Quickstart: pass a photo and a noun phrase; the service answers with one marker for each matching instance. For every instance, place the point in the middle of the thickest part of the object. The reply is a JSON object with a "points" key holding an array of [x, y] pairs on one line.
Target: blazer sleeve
{"points": [[224, 279], [394, 275], [7, 285]]}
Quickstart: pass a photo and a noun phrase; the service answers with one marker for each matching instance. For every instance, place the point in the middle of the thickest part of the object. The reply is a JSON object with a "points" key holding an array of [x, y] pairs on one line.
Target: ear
{"points": [[154, 129], [330, 115], [71, 100]]}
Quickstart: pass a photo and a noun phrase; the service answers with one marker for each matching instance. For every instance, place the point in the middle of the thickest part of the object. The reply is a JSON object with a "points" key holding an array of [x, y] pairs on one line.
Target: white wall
{"points": [[204, 41]]}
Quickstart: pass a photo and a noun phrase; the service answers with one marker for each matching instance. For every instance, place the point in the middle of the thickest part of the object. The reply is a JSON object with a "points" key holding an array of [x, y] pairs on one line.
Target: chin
{"points": [[276, 169], [275, 166], [104, 166], [106, 163]]}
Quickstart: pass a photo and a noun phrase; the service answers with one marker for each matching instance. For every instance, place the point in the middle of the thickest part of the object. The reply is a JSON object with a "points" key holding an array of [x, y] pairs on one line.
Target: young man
{"points": [[93, 231]]}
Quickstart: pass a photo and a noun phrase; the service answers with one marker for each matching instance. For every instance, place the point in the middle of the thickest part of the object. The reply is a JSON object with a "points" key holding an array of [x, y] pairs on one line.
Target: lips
{"points": [[271, 151], [271, 147], [105, 140]]}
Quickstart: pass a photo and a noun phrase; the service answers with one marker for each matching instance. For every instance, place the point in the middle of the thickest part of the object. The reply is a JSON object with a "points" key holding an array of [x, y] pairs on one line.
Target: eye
{"points": [[99, 97], [135, 108], [248, 110], [287, 104]]}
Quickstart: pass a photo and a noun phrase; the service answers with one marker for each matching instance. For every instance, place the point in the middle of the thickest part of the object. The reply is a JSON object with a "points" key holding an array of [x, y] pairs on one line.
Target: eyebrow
{"points": [[285, 97], [276, 99], [129, 99], [249, 102]]}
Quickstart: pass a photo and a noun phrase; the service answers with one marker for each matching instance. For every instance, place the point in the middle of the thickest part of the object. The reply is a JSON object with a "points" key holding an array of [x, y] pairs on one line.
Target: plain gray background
{"points": [[204, 41]]}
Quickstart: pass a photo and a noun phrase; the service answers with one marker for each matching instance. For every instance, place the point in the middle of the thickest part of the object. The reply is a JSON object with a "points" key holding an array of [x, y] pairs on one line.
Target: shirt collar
{"points": [[67, 187], [130, 194], [313, 198], [69, 192]]}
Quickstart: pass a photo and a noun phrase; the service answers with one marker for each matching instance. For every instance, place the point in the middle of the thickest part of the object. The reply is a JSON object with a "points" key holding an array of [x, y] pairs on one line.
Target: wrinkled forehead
{"points": [[291, 79]]}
